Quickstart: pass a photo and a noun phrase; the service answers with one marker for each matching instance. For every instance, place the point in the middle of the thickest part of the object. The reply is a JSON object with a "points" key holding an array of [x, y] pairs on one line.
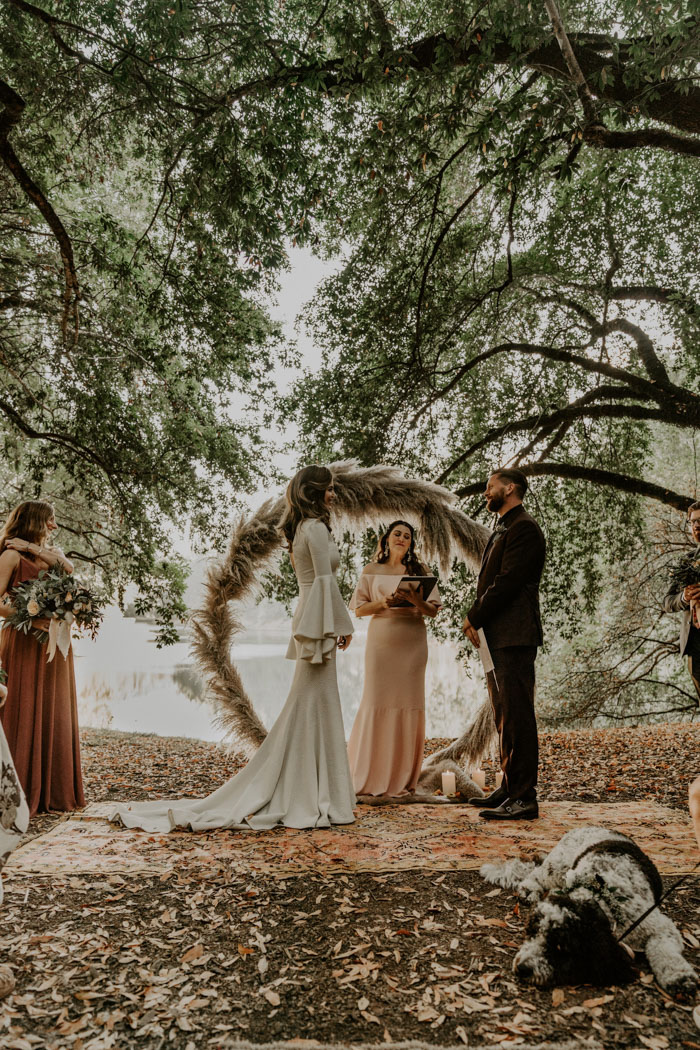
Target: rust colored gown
{"points": [[40, 716]]}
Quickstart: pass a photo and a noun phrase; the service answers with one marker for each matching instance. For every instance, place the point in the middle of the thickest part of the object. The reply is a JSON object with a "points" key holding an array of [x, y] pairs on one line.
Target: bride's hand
{"points": [[3, 694], [344, 641]]}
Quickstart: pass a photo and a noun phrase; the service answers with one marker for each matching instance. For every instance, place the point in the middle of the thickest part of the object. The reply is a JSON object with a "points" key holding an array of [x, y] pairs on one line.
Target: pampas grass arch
{"points": [[365, 495]]}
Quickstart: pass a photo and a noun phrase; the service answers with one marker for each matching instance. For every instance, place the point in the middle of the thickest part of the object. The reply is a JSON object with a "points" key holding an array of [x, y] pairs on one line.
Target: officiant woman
{"points": [[387, 738], [40, 715]]}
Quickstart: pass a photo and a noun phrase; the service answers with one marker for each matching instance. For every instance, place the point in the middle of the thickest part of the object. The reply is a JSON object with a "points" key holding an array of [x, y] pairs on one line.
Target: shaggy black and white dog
{"points": [[587, 892]]}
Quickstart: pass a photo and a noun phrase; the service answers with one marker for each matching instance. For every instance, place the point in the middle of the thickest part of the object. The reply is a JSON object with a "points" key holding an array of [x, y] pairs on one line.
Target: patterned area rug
{"points": [[425, 838]]}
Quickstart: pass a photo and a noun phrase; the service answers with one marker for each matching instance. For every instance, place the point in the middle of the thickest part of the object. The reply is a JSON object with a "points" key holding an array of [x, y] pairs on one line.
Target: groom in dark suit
{"points": [[507, 608]]}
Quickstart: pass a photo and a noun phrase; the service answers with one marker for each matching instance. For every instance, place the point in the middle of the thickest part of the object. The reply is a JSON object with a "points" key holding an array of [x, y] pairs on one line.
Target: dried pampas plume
{"points": [[365, 496]]}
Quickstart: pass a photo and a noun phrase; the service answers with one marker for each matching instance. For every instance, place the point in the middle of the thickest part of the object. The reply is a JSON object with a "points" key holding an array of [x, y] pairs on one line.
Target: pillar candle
{"points": [[449, 784], [499, 778], [479, 778]]}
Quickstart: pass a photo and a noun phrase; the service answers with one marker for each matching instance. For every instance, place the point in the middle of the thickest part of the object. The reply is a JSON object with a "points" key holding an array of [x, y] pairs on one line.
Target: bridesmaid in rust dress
{"points": [[40, 715], [388, 735]]}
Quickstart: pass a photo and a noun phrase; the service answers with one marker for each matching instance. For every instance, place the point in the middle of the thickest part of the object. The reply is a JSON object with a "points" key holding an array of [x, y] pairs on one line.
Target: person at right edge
{"points": [[676, 600], [507, 608]]}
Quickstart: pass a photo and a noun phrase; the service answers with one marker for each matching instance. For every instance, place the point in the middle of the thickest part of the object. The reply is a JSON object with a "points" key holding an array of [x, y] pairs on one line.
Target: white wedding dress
{"points": [[299, 776]]}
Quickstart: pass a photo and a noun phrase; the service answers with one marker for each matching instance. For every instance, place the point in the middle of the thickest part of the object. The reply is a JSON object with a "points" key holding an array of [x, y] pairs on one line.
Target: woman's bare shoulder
{"points": [[10, 558]]}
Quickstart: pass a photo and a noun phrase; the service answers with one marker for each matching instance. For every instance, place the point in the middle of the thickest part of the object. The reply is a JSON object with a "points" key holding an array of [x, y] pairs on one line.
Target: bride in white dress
{"points": [[299, 776]]}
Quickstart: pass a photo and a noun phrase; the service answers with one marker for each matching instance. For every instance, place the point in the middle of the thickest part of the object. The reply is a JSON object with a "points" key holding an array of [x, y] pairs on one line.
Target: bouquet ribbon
{"points": [[59, 636]]}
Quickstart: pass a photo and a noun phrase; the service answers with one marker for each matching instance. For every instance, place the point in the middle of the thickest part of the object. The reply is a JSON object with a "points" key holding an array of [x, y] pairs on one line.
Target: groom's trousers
{"points": [[513, 699]]}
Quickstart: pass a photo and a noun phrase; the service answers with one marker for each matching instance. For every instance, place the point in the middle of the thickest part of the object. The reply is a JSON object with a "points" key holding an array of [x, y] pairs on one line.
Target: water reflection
{"points": [[125, 683]]}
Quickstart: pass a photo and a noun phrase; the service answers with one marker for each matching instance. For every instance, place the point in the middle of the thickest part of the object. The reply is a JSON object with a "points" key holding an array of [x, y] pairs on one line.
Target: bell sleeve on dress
{"points": [[324, 617]]}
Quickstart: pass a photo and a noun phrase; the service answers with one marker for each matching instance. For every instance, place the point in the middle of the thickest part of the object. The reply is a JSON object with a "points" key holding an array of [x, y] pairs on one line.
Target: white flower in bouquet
{"points": [[51, 594]]}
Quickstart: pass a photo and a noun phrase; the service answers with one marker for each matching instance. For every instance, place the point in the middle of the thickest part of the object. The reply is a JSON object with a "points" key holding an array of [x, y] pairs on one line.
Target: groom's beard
{"points": [[494, 504]]}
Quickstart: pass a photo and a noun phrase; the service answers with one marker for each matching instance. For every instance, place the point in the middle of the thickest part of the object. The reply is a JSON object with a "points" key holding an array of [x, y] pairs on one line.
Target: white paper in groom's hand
{"points": [[485, 652]]}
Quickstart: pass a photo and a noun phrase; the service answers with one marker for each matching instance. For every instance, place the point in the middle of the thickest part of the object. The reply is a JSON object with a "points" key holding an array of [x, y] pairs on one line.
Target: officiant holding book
{"points": [[388, 735]]}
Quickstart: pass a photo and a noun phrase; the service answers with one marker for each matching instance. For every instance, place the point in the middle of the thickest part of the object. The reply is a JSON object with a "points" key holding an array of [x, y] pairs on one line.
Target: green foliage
{"points": [[499, 258], [144, 415], [445, 152]]}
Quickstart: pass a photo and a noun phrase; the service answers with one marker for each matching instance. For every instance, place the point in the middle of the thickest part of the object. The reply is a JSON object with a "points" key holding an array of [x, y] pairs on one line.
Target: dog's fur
{"points": [[587, 892]]}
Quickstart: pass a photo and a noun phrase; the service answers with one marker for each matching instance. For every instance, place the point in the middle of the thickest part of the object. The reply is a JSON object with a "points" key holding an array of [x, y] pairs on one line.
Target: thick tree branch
{"points": [[607, 478], [645, 388], [641, 293], [644, 138], [552, 424], [580, 82], [645, 348], [9, 118], [64, 440], [572, 412], [13, 302], [595, 133], [664, 101]]}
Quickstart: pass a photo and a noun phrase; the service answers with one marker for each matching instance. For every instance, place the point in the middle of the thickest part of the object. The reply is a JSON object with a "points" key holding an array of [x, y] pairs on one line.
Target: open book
{"points": [[425, 584]]}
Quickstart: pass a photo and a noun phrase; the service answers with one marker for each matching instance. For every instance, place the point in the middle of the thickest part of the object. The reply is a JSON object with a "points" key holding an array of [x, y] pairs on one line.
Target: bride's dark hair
{"points": [[305, 499], [410, 559]]}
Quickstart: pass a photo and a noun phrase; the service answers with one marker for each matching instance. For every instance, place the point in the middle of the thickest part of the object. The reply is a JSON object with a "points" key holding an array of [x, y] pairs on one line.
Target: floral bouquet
{"points": [[57, 597], [686, 574]]}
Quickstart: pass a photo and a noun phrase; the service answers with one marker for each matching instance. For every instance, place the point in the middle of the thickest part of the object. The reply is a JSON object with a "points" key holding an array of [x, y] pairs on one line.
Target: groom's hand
{"points": [[471, 633]]}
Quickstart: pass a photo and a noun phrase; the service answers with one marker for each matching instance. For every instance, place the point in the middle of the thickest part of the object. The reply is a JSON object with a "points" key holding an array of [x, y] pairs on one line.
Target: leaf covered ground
{"points": [[177, 962]]}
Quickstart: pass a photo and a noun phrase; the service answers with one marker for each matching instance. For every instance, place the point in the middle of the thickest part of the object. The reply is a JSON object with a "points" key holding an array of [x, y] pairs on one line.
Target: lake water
{"points": [[124, 682]]}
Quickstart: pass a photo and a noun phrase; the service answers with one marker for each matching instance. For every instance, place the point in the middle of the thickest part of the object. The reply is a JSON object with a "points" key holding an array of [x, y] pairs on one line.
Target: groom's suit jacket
{"points": [[507, 602]]}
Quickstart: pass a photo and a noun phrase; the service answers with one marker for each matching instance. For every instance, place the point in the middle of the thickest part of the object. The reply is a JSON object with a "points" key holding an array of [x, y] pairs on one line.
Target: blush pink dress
{"points": [[388, 735]]}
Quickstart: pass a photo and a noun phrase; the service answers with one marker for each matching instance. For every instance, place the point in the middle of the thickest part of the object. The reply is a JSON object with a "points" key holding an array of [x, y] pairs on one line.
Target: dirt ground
{"points": [[176, 962]]}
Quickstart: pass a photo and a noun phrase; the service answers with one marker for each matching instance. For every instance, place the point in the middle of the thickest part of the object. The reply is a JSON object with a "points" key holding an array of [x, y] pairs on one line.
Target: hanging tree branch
{"points": [[595, 132], [673, 104], [584, 91], [608, 478], [580, 410], [9, 118]]}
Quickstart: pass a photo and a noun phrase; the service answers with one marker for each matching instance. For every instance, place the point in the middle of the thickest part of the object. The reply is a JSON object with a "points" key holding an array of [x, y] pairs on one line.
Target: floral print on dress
{"points": [[10, 798], [14, 811]]}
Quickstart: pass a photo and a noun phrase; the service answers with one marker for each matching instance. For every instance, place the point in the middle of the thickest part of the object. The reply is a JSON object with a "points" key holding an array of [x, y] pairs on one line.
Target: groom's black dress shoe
{"points": [[496, 798], [513, 809]]}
